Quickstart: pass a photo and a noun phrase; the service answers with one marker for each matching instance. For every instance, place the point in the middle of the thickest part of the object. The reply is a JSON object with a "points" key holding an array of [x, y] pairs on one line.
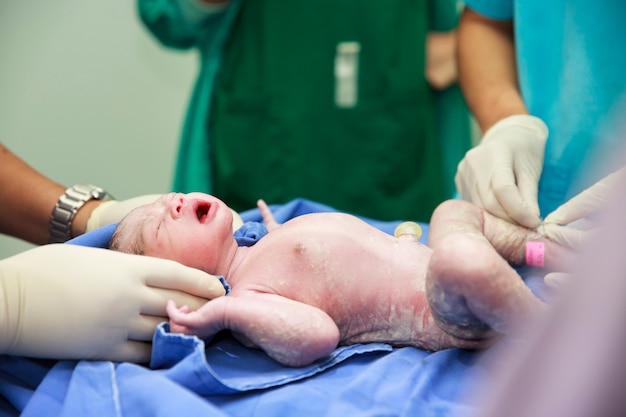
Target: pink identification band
{"points": [[535, 254]]}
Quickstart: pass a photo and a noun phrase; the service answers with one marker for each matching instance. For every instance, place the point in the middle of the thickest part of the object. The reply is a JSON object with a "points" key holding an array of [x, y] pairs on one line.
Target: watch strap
{"points": [[68, 205]]}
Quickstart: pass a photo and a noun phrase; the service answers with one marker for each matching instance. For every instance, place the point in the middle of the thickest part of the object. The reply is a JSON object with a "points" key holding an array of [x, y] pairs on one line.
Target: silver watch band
{"points": [[65, 210]]}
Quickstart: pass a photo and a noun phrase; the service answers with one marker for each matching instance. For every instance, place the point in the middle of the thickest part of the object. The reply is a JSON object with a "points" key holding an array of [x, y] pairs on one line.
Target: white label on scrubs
{"points": [[347, 74]]}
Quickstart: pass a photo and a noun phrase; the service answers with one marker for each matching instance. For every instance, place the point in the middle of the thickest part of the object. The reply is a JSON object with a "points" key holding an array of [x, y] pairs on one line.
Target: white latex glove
{"points": [[114, 211], [74, 302], [557, 280], [570, 224], [501, 174], [571, 236]]}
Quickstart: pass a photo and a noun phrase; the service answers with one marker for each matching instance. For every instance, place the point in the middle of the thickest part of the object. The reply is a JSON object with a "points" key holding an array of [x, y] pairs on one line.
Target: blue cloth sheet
{"points": [[187, 376]]}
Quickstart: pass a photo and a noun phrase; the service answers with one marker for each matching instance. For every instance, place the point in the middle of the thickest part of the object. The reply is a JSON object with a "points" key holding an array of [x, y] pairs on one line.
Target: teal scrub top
{"points": [[571, 61], [264, 120]]}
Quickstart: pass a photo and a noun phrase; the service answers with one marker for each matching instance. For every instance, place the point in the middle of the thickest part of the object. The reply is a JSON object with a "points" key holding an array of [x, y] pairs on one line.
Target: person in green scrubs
{"points": [[324, 100]]}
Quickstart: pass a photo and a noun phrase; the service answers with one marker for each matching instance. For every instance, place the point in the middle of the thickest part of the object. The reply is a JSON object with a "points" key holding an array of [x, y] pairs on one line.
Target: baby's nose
{"points": [[176, 205]]}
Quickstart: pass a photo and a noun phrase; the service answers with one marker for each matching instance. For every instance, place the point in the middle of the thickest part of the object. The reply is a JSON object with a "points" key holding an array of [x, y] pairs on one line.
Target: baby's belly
{"points": [[370, 283], [374, 297], [392, 309]]}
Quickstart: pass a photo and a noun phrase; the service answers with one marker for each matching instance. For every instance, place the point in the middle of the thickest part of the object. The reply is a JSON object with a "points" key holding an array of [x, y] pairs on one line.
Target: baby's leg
{"points": [[471, 289]]}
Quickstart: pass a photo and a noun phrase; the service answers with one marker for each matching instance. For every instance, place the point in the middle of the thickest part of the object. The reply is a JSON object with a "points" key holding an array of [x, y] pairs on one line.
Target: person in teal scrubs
{"points": [[545, 82], [331, 101]]}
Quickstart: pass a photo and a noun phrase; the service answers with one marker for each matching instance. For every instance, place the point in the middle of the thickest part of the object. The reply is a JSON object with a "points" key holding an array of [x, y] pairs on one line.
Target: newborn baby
{"points": [[325, 279]]}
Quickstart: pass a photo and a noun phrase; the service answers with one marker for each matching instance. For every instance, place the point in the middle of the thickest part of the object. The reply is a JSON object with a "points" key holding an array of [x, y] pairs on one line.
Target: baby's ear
{"points": [[268, 217]]}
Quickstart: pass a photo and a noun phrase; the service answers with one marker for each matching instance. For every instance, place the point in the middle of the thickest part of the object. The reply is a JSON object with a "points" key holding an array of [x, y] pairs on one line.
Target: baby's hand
{"points": [[205, 322], [175, 315], [268, 217]]}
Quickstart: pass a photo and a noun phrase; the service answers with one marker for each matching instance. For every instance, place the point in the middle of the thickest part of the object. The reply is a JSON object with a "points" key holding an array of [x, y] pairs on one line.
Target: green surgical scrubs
{"points": [[278, 125]]}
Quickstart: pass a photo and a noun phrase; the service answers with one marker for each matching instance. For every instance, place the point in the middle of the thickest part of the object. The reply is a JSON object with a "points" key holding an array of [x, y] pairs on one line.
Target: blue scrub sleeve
{"points": [[494, 9]]}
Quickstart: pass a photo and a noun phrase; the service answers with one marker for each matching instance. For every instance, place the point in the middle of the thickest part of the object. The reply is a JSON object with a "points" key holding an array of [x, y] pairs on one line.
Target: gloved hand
{"points": [[113, 211], [501, 174], [557, 280], [73, 302], [570, 224]]}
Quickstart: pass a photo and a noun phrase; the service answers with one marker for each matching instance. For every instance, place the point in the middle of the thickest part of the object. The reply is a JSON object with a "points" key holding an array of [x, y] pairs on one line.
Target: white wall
{"points": [[87, 95]]}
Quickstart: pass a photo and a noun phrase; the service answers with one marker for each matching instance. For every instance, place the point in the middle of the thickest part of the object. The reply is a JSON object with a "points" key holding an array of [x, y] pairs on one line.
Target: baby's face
{"points": [[194, 229]]}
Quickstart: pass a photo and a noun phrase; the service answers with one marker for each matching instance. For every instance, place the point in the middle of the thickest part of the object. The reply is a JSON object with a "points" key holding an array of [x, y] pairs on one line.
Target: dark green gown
{"points": [[274, 127]]}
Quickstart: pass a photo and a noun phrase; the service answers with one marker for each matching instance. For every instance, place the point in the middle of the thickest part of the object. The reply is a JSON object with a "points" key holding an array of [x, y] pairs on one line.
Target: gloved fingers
{"points": [[581, 205], [142, 329], [591, 200], [171, 275], [510, 199], [476, 192], [130, 351], [557, 280], [483, 196], [566, 236], [153, 302], [528, 186], [518, 209], [491, 203]]}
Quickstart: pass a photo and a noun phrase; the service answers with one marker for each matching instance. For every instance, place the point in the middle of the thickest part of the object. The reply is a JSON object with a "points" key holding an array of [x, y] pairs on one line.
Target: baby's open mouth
{"points": [[202, 210]]}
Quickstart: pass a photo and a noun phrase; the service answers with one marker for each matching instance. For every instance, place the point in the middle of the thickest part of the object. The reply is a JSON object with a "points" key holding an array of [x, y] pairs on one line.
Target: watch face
{"points": [[98, 194]]}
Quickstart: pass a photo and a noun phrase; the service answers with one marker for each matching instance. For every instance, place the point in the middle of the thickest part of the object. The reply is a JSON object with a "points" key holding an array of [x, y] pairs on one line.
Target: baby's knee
{"points": [[460, 260]]}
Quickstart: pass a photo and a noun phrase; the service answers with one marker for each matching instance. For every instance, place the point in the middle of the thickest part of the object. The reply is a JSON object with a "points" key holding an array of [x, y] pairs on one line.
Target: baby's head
{"points": [[194, 229]]}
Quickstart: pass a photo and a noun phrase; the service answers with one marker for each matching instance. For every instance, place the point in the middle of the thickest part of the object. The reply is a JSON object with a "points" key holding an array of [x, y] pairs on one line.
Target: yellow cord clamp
{"points": [[408, 228]]}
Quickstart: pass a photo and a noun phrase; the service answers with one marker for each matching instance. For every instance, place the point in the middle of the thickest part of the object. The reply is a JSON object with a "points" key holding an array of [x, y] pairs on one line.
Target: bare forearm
{"points": [[487, 68], [27, 198]]}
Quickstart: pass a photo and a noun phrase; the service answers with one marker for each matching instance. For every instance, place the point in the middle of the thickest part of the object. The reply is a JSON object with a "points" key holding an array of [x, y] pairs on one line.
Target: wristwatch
{"points": [[65, 210]]}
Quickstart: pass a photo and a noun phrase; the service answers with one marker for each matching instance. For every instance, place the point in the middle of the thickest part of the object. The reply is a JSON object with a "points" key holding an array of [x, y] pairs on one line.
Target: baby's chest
{"points": [[328, 253], [312, 269]]}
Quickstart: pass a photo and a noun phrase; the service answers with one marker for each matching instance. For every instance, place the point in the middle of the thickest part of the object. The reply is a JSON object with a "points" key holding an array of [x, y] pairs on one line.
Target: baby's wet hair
{"points": [[120, 241]]}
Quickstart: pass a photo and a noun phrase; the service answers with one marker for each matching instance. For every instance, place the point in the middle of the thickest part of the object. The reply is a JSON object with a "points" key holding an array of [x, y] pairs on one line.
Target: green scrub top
{"points": [[325, 100]]}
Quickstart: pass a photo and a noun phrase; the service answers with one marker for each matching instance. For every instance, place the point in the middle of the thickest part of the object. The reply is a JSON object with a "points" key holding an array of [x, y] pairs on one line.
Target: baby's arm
{"points": [[291, 332], [268, 217]]}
